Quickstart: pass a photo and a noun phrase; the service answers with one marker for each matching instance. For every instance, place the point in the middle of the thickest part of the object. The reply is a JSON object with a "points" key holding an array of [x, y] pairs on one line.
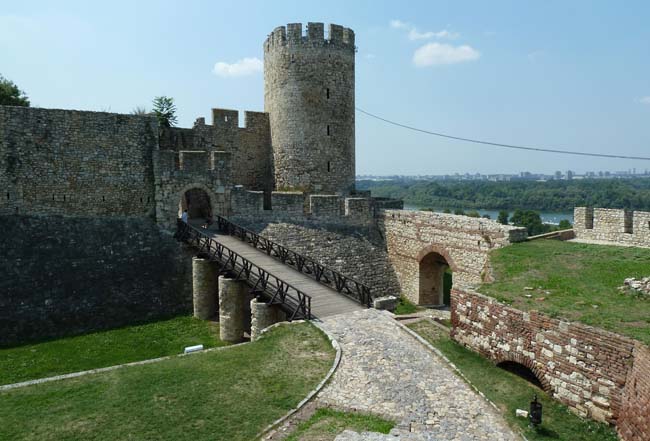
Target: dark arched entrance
{"points": [[522, 371], [434, 280], [197, 203]]}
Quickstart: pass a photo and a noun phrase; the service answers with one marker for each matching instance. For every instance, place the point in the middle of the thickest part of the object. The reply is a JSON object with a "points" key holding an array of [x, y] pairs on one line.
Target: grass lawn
{"points": [[326, 424], [105, 348], [224, 395], [574, 281], [510, 392], [405, 306]]}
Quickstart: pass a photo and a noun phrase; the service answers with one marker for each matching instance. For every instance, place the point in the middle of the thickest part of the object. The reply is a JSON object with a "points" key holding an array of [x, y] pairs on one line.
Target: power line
{"points": [[497, 144]]}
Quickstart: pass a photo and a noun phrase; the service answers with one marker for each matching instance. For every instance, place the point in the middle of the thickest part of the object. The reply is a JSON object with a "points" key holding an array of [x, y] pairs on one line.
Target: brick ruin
{"points": [[597, 373]]}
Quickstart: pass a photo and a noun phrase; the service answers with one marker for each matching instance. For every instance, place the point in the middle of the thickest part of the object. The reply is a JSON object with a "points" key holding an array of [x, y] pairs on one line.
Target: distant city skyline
{"points": [[525, 175], [565, 75]]}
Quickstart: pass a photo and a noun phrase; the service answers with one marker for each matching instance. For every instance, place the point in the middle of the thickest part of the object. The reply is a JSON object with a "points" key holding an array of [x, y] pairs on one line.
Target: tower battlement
{"points": [[292, 35]]}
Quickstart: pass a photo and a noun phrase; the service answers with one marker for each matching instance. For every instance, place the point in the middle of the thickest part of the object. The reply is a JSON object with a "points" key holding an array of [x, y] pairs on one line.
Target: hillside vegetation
{"points": [[547, 196]]}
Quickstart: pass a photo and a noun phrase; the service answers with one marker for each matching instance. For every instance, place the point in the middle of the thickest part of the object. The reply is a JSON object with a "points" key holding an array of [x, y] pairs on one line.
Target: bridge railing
{"points": [[276, 291], [345, 285]]}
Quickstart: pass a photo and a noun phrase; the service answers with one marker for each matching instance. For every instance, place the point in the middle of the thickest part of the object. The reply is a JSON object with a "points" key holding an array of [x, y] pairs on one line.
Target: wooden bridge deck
{"points": [[324, 301]]}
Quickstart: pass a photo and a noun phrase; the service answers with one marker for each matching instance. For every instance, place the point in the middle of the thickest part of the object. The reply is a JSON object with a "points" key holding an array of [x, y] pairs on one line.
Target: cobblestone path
{"points": [[387, 372]]}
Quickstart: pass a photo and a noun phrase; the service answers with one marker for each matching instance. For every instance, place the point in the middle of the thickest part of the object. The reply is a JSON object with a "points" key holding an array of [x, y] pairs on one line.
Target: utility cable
{"points": [[497, 144]]}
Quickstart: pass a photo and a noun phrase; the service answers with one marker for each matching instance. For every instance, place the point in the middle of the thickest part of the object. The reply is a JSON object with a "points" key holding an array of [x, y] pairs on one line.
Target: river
{"points": [[548, 217]]}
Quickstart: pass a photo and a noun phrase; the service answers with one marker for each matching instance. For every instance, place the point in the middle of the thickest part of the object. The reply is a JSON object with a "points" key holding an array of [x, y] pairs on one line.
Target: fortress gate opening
{"points": [[434, 280], [197, 203]]}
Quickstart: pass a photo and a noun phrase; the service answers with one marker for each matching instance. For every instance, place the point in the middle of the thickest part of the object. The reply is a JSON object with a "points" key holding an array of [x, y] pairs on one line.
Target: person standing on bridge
{"points": [[184, 216]]}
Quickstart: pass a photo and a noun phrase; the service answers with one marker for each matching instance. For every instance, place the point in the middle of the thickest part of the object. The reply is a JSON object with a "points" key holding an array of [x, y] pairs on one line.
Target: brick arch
{"points": [[436, 248], [524, 361]]}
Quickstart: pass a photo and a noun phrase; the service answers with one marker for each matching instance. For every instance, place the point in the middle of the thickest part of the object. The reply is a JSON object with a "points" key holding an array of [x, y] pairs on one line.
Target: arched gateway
{"points": [[434, 276]]}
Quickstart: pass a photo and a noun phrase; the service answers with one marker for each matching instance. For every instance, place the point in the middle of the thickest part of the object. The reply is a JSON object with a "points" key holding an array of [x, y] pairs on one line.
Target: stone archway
{"points": [[434, 275], [524, 368], [176, 202], [197, 203]]}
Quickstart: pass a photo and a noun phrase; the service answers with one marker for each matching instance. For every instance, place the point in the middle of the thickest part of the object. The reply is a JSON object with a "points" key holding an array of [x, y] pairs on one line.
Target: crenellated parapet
{"points": [[620, 226], [249, 145], [292, 35], [299, 207]]}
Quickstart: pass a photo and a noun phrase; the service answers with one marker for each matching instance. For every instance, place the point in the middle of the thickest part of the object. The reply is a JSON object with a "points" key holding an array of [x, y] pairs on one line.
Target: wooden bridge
{"points": [[302, 287]]}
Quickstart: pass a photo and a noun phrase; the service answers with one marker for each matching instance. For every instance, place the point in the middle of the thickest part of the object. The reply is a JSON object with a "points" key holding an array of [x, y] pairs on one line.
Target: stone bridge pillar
{"points": [[204, 288], [263, 316], [233, 295]]}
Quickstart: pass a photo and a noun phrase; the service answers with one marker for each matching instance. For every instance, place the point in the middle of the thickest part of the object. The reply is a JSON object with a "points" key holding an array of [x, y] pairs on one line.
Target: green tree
{"points": [[531, 220], [486, 216], [503, 217], [473, 213], [459, 211], [11, 95], [446, 210], [165, 110], [564, 225]]}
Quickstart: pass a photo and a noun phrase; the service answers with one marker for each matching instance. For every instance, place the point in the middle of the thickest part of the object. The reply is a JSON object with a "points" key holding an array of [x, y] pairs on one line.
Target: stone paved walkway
{"points": [[387, 372]]}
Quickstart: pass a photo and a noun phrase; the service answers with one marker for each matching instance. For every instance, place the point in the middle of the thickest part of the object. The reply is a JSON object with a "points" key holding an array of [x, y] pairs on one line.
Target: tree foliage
{"points": [[503, 217], [531, 220], [11, 95], [165, 110], [544, 196]]}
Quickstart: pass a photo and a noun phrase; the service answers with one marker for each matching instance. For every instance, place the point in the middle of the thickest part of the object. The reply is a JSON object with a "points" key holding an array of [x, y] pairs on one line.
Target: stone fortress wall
{"points": [[625, 227], [66, 162], [84, 195], [309, 96], [459, 242], [597, 373]]}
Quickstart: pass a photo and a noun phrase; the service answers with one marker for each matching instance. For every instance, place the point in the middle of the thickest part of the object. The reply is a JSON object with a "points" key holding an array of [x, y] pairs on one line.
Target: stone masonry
{"points": [[595, 372], [204, 288], [624, 227], [309, 96], [634, 419], [462, 243]]}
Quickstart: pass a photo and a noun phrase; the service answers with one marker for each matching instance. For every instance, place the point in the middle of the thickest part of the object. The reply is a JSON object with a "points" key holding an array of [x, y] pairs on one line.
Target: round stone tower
{"points": [[309, 95]]}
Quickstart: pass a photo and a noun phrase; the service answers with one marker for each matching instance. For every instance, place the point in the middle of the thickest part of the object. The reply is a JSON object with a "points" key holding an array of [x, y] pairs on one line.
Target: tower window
{"points": [[328, 130], [329, 166], [328, 93]]}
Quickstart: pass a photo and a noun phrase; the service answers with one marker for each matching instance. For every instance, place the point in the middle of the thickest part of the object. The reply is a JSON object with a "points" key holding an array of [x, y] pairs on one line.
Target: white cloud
{"points": [[645, 100], [240, 68], [414, 34], [437, 53]]}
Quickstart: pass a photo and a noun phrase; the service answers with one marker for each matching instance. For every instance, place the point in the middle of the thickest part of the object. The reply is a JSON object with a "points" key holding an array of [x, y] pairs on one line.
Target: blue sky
{"points": [[561, 74]]}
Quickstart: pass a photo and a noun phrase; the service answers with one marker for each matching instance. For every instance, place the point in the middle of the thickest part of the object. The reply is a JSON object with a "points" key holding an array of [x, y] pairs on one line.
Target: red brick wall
{"points": [[584, 367], [634, 422]]}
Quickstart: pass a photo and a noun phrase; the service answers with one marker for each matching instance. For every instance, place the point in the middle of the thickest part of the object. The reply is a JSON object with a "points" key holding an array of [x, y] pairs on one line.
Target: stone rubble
{"points": [[385, 371], [637, 285]]}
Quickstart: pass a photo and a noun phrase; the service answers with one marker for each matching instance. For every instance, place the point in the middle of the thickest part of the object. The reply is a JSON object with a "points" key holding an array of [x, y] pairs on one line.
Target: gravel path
{"points": [[387, 372]]}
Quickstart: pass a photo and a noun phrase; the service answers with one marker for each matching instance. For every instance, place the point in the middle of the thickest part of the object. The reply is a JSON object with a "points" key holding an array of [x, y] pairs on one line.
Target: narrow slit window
{"points": [[329, 166], [328, 130], [328, 93]]}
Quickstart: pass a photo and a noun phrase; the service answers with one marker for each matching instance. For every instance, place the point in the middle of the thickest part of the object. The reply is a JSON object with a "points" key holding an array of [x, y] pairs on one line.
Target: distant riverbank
{"points": [[548, 217]]}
